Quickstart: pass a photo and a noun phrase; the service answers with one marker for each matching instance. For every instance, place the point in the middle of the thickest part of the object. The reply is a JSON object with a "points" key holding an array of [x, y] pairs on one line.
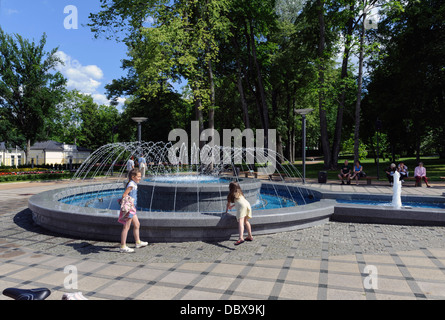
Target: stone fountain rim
{"points": [[101, 224]]}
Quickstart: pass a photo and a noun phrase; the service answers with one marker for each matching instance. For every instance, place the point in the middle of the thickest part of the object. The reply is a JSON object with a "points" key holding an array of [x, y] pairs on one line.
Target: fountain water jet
{"points": [[397, 191]]}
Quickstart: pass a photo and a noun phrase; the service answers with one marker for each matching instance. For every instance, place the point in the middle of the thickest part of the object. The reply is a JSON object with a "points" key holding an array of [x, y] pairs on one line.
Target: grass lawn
{"points": [[435, 168]]}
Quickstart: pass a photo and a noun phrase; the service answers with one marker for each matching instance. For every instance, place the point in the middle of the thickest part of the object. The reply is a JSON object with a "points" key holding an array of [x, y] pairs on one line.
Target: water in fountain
{"points": [[397, 191], [209, 169]]}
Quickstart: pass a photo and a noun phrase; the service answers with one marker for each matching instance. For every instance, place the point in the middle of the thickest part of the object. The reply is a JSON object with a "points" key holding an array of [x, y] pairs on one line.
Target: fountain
{"points": [[179, 201], [423, 210]]}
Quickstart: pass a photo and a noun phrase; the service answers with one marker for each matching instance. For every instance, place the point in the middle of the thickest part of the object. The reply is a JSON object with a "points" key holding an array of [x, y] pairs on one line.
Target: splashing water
{"points": [[397, 191], [208, 167]]}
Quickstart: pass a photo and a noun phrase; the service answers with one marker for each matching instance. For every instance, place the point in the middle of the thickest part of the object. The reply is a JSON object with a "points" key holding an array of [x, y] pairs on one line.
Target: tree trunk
{"points": [[359, 92], [321, 99], [28, 148], [212, 97], [198, 114], [290, 126], [240, 87], [260, 87], [344, 74]]}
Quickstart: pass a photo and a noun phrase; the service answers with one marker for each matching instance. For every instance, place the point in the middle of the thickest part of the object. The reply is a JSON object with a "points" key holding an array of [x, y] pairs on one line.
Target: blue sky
{"points": [[90, 63]]}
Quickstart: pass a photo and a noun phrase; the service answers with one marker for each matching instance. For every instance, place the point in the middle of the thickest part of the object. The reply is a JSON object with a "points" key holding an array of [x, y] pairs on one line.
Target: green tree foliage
{"points": [[406, 89], [29, 88], [83, 122], [250, 64]]}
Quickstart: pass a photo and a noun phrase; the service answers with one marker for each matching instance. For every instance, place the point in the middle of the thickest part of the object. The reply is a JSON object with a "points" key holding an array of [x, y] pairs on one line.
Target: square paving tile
{"points": [[158, 292], [303, 276], [336, 294], [255, 287], [298, 292], [345, 281], [213, 282], [122, 288], [177, 277]]}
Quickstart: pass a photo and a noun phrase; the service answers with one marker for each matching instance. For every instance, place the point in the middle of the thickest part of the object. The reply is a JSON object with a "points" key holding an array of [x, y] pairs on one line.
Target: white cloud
{"points": [[102, 99], [85, 79], [10, 12]]}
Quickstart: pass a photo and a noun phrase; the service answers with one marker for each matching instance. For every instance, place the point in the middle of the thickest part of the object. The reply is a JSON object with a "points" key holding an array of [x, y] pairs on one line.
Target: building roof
{"points": [[52, 145], [49, 145], [3, 147]]}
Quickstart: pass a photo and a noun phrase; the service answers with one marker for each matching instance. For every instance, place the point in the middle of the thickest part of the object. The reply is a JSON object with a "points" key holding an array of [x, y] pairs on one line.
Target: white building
{"points": [[41, 153], [52, 152], [11, 156]]}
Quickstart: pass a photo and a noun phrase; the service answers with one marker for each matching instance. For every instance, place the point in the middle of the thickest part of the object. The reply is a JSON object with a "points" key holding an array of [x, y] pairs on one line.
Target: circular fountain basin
{"points": [[310, 207], [101, 224], [194, 193]]}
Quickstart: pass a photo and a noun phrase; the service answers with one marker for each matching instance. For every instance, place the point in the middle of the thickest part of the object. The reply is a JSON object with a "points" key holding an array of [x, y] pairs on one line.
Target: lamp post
{"points": [[139, 120], [303, 113]]}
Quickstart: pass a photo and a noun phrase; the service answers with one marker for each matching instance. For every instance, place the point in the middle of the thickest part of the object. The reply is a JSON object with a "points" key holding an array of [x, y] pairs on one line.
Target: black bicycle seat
{"points": [[27, 294]]}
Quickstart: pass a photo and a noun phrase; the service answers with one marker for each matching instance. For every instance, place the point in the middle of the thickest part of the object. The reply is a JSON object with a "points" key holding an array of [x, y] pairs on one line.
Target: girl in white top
{"points": [[243, 211], [134, 177]]}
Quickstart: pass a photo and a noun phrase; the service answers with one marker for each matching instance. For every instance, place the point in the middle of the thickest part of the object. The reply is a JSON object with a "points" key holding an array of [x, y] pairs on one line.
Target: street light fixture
{"points": [[303, 113], [139, 120]]}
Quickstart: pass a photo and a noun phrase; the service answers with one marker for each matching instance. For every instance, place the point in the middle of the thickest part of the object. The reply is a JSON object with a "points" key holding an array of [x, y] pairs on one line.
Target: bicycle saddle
{"points": [[27, 294]]}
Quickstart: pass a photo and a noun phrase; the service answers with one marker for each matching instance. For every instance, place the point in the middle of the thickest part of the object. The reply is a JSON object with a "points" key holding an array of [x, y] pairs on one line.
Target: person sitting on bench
{"points": [[403, 170], [420, 174], [345, 173], [358, 172]]}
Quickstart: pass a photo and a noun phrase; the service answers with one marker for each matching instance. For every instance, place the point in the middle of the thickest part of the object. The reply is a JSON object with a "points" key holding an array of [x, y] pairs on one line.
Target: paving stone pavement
{"points": [[344, 261]]}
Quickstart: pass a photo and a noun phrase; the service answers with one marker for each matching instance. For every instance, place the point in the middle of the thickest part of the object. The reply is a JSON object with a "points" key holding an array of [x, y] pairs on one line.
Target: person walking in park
{"points": [[130, 164], [127, 215], [236, 199], [142, 165], [420, 174]]}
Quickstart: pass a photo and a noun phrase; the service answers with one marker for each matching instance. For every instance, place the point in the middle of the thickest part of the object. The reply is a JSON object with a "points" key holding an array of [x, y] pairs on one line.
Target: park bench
{"points": [[369, 179], [249, 173], [313, 158], [280, 176], [412, 179]]}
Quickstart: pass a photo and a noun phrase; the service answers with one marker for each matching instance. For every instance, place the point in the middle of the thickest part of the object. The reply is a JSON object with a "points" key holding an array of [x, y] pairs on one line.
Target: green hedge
{"points": [[36, 177]]}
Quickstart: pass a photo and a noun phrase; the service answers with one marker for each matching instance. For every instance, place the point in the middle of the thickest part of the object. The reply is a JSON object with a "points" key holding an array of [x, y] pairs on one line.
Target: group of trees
{"points": [[253, 63], [35, 104]]}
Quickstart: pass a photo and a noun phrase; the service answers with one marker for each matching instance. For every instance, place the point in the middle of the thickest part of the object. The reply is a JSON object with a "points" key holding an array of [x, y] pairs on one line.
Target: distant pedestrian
{"points": [[142, 165], [243, 211], [130, 164]]}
